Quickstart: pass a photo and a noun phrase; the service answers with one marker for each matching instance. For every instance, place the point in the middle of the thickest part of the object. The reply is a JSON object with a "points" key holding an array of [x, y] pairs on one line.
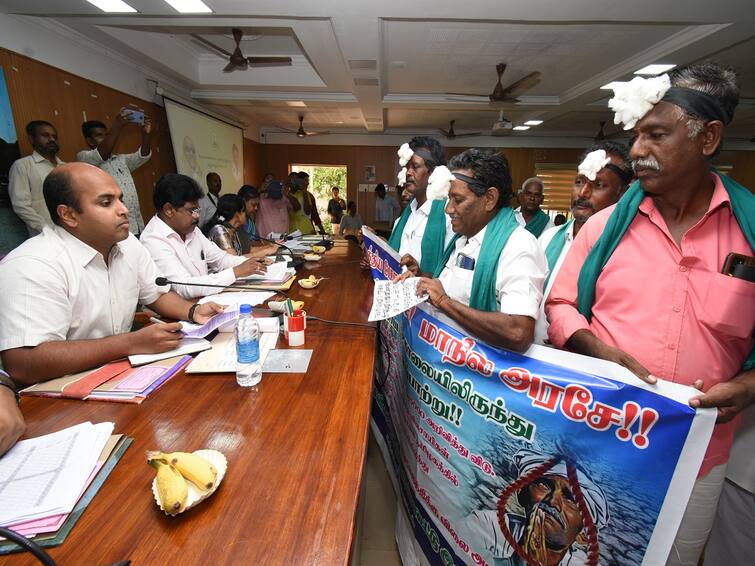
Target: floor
{"points": [[377, 540]]}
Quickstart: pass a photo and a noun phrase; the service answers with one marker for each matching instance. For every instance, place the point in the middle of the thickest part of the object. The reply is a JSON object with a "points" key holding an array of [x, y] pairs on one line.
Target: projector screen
{"points": [[202, 144]]}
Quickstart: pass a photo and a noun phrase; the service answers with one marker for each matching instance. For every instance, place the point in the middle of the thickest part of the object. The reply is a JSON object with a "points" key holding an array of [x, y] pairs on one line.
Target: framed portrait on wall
{"points": [[370, 173]]}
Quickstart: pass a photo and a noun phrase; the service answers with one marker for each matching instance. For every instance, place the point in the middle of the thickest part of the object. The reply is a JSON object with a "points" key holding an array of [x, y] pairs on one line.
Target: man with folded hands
{"points": [[68, 296]]}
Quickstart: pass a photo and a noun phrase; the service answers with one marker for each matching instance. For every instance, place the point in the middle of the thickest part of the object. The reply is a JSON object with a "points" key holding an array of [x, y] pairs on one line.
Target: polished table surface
{"points": [[295, 447]]}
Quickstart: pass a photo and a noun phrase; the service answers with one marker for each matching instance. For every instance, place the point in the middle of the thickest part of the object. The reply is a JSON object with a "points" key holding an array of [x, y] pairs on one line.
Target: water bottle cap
{"points": [[245, 309]]}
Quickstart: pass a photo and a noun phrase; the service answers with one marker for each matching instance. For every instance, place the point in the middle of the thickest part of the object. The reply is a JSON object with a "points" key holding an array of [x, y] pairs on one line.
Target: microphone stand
{"points": [[295, 262], [162, 281]]}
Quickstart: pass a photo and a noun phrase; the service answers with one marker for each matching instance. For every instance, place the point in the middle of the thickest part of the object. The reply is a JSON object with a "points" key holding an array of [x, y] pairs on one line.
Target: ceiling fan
{"points": [[601, 135], [237, 61], [510, 93], [450, 134], [301, 132]]}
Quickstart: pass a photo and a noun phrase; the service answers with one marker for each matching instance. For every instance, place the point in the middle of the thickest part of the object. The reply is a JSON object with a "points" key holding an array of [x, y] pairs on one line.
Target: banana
{"points": [[194, 468], [171, 487]]}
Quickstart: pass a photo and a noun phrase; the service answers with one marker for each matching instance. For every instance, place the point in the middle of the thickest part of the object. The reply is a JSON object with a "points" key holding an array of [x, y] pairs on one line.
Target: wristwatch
{"points": [[192, 308], [6, 381]]}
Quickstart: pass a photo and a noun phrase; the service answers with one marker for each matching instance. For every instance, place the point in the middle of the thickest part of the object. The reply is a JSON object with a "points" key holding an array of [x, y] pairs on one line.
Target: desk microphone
{"points": [[295, 263], [162, 281]]}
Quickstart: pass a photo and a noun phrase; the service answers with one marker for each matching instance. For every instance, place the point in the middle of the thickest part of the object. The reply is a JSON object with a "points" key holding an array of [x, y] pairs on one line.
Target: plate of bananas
{"points": [[184, 479]]}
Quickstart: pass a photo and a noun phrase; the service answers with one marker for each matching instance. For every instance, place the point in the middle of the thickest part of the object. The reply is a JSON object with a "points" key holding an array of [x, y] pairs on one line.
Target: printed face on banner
{"points": [[504, 459]]}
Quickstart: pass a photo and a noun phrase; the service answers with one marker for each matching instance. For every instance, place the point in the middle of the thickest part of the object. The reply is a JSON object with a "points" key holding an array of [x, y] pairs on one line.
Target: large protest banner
{"points": [[508, 459]]}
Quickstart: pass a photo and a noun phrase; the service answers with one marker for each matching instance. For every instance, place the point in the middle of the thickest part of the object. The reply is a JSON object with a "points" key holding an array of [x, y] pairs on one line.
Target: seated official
{"points": [[226, 227], [68, 296], [490, 278], [351, 223], [180, 250], [12, 424], [251, 197]]}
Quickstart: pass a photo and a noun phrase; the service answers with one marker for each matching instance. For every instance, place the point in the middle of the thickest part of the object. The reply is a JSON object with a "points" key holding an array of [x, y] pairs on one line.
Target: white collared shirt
{"points": [[522, 222], [25, 181], [189, 260], [56, 287], [386, 209], [541, 326], [522, 269], [120, 166], [414, 230]]}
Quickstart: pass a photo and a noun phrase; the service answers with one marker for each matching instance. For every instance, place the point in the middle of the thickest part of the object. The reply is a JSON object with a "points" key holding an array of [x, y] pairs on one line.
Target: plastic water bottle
{"points": [[248, 368]]}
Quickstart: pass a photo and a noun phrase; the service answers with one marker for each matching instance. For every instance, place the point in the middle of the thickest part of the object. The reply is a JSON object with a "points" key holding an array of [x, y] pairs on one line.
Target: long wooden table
{"points": [[295, 447]]}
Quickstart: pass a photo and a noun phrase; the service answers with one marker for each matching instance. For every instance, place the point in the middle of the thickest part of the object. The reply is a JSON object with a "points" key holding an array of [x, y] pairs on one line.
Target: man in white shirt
{"points": [[490, 286], [589, 196], [101, 144], [180, 250], [529, 214], [387, 210], [410, 230], [68, 296], [208, 204], [28, 173]]}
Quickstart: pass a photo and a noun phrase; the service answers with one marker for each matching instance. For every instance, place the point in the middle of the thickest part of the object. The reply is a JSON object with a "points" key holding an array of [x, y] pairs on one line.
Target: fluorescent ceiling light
{"points": [[655, 69], [190, 6], [533, 122], [112, 6], [521, 128]]}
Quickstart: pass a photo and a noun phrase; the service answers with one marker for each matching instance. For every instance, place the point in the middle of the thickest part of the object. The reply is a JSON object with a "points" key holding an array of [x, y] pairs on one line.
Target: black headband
{"points": [[623, 174], [426, 156], [472, 182], [699, 103]]}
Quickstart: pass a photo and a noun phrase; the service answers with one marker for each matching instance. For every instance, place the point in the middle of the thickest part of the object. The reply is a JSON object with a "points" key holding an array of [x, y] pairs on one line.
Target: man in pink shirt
{"points": [[274, 208], [658, 303]]}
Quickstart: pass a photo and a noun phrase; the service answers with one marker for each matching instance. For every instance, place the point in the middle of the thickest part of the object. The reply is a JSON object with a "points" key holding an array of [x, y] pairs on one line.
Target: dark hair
{"points": [[58, 189], [559, 219], [351, 205], [31, 127], [210, 174], [614, 148], [335, 188], [302, 175], [89, 125], [490, 168], [379, 187], [248, 192], [228, 205], [175, 189], [433, 146]]}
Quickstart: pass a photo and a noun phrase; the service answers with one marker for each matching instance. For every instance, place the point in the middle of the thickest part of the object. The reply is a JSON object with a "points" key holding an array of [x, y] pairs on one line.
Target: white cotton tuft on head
{"points": [[404, 154], [632, 100], [439, 183], [402, 177], [593, 162]]}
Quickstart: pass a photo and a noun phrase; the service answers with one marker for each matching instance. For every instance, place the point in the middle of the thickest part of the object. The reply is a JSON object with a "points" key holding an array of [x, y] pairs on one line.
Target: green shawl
{"points": [[433, 238], [742, 204], [497, 233], [553, 249], [537, 223]]}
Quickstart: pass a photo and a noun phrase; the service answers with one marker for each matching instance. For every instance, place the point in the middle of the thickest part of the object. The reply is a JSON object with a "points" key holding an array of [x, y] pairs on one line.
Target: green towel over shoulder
{"points": [[554, 248], [743, 207], [484, 296], [537, 223], [433, 238]]}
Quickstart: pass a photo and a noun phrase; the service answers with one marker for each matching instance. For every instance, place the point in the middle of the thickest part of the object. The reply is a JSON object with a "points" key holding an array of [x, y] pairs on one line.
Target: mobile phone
{"points": [[136, 117], [740, 266]]}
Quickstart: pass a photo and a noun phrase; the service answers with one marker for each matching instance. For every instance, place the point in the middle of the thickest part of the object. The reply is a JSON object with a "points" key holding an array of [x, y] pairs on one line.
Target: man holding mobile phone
{"points": [[102, 141]]}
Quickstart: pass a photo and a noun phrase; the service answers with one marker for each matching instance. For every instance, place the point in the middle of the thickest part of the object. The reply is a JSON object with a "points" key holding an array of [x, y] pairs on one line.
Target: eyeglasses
{"points": [[192, 211]]}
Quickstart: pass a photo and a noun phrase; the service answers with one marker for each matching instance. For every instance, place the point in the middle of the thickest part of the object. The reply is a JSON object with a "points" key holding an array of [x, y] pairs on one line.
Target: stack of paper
{"points": [[275, 273], [186, 346], [45, 476], [116, 381], [253, 298], [48, 481], [222, 357]]}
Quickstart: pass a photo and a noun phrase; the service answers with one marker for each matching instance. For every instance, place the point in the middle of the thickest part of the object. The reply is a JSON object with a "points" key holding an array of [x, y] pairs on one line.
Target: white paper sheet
{"points": [[187, 346], [277, 272], [390, 299], [201, 330], [44, 476], [222, 357]]}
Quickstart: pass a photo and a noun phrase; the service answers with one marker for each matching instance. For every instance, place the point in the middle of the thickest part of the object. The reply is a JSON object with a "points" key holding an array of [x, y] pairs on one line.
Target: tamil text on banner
{"points": [[544, 458]]}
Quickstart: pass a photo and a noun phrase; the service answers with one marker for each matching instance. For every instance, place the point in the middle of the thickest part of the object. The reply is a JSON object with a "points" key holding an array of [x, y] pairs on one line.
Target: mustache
{"points": [[552, 511], [646, 164], [582, 202]]}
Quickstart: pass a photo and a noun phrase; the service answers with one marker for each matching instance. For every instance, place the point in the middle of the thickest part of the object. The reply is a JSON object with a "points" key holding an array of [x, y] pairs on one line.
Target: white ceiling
{"points": [[384, 67]]}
